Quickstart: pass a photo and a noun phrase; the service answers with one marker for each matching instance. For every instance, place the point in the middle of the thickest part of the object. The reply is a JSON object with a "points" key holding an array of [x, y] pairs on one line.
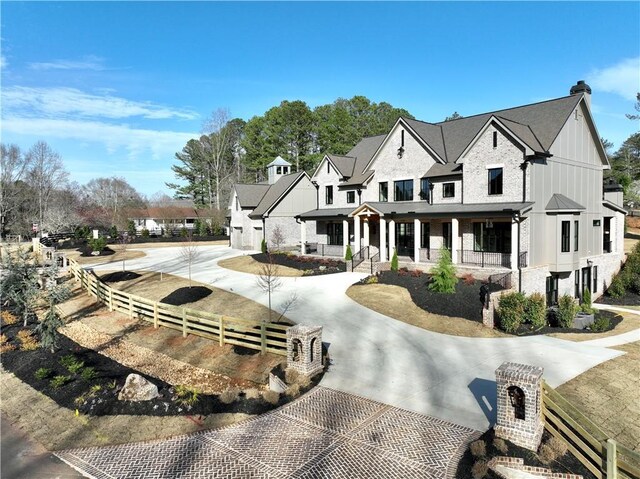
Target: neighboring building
{"points": [[170, 218], [518, 190], [256, 210]]}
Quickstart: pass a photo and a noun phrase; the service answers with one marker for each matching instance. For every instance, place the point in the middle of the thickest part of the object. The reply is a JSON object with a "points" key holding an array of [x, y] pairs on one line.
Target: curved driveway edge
{"points": [[374, 356], [324, 434]]}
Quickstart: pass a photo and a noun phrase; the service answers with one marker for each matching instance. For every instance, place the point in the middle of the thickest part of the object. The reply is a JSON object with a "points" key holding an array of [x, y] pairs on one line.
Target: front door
{"points": [[404, 239], [586, 280]]}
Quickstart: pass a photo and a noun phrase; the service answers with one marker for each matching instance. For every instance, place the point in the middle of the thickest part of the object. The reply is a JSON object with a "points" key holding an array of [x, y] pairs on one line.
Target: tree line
{"points": [[234, 151]]}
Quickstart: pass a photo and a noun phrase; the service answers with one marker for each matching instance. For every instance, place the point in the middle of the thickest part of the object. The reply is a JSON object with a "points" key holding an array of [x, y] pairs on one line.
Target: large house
{"points": [[517, 191]]}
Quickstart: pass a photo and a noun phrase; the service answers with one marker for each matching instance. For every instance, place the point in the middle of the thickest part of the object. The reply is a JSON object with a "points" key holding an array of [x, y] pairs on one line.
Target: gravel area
{"points": [[151, 362]]}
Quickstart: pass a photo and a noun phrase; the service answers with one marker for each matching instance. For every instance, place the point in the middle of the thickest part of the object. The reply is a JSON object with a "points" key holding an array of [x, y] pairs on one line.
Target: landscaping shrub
{"points": [[293, 391], [558, 446], [479, 470], [131, 228], [145, 233], [468, 278], [535, 310], [71, 363], [617, 288], [272, 397], [229, 395], [5, 345], [546, 454], [500, 445], [113, 231], [27, 341], [88, 373], [394, 260], [59, 381], [187, 396], [43, 373], [373, 279], [478, 448], [81, 232], [291, 376], [8, 317], [600, 324], [586, 302], [567, 310], [443, 275], [348, 256], [98, 244], [263, 246], [183, 232], [511, 311], [252, 393]]}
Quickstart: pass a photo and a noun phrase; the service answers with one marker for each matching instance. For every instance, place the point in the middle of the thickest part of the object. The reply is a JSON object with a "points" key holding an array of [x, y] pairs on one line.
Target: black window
{"points": [[329, 195], [448, 190], [278, 170], [595, 279], [425, 235], [403, 190], [328, 167], [576, 235], [334, 233], [552, 290], [565, 236], [577, 294], [596, 222], [495, 139], [285, 169], [384, 191], [495, 181], [351, 196], [424, 189]]}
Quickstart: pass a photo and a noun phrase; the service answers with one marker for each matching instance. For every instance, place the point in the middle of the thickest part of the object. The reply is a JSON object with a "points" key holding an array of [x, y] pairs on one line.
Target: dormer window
{"points": [[329, 195], [278, 170]]}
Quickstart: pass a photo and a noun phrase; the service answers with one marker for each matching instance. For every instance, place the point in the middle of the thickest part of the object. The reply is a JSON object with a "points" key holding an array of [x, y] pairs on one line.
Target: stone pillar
{"points": [[365, 225], [304, 349], [455, 243], [392, 238], [303, 237], [514, 245], [383, 240], [356, 234], [416, 240], [519, 409], [345, 237]]}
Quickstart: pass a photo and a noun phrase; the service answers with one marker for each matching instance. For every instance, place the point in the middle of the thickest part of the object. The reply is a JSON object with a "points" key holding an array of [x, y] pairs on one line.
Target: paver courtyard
{"points": [[326, 433]]}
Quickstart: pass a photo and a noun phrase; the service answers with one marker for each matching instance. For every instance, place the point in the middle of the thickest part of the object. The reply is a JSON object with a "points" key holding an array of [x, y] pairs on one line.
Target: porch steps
{"points": [[365, 267]]}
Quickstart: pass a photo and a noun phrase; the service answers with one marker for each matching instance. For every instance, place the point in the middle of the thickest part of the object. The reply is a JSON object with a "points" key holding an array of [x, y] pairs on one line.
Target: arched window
{"points": [[311, 349], [516, 396], [296, 349]]}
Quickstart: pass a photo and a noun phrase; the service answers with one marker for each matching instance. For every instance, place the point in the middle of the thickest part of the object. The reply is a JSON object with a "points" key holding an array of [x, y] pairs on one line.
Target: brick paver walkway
{"points": [[326, 433]]}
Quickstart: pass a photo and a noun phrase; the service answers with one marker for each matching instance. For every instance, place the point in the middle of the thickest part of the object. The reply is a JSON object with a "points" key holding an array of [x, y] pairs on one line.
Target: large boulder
{"points": [[137, 388]]}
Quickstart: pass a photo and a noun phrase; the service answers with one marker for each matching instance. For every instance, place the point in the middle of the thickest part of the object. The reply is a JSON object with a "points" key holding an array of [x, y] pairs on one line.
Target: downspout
{"points": [[516, 217], [523, 167], [315, 183], [264, 229]]}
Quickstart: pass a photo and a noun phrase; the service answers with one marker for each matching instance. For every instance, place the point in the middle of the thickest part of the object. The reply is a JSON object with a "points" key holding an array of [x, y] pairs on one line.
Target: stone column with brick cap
{"points": [[304, 349], [519, 413]]}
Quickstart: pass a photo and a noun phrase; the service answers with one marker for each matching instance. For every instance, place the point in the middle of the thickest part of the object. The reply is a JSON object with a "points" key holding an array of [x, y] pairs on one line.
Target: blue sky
{"points": [[118, 87]]}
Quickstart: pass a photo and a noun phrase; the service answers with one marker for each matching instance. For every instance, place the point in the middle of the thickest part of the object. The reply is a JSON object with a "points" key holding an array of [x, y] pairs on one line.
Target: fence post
{"points": [[612, 466], [155, 315], [130, 307], [110, 299], [184, 323], [263, 338], [221, 331]]}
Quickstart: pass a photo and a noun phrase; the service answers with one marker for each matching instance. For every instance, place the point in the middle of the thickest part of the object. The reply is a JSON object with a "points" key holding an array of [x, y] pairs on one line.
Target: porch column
{"points": [[392, 237], [454, 240], [383, 240], [416, 240], [514, 245], [345, 237], [356, 234], [365, 225], [303, 237]]}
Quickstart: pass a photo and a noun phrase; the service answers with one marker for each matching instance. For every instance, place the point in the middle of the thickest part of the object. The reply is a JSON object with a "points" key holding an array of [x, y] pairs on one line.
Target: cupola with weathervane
{"points": [[278, 168]]}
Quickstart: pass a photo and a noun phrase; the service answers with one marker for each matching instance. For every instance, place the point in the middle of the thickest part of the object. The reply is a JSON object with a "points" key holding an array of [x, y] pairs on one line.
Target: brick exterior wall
{"points": [[304, 349], [517, 464], [525, 432]]}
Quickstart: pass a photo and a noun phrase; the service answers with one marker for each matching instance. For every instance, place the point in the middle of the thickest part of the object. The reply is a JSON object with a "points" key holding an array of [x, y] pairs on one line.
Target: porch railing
{"points": [[374, 259], [485, 258], [359, 257], [503, 280], [324, 249], [523, 259]]}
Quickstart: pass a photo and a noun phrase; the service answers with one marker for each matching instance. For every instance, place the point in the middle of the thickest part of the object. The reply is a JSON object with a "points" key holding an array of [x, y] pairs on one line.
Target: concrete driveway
{"points": [[385, 360]]}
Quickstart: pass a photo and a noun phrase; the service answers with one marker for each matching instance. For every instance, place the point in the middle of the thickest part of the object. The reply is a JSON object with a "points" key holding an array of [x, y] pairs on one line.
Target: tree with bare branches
{"points": [[189, 253], [268, 279], [13, 169]]}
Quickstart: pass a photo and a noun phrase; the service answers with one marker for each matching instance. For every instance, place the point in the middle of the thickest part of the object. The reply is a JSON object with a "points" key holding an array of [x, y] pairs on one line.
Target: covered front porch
{"points": [[495, 239]]}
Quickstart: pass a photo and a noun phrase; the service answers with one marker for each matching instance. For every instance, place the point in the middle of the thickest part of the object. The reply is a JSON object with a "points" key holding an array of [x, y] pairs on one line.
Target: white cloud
{"points": [[623, 78], [137, 142], [89, 62], [3, 62], [62, 101]]}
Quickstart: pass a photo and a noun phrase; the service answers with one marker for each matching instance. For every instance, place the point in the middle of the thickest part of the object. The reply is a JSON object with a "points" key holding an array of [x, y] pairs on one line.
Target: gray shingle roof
{"points": [[560, 202], [446, 210], [326, 213], [250, 195], [274, 193], [344, 164], [431, 134], [363, 152], [438, 169], [279, 161]]}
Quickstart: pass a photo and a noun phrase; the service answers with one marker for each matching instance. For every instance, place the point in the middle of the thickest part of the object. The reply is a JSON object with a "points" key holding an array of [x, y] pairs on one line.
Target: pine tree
{"points": [[349, 254], [443, 275], [394, 260]]}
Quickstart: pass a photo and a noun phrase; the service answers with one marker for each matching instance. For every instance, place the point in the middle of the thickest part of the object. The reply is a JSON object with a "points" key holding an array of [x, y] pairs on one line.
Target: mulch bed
{"points": [[186, 295], [310, 266], [109, 378], [119, 276], [629, 299], [466, 302], [567, 464], [86, 250]]}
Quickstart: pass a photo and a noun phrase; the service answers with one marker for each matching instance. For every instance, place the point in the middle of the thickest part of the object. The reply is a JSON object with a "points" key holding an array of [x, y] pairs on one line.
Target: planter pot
{"points": [[582, 320]]}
